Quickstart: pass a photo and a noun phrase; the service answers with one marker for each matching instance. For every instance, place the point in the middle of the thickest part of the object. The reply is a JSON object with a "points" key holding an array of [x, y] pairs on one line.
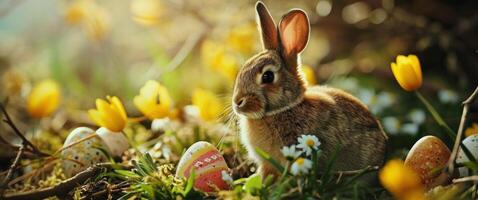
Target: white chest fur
{"points": [[246, 140], [259, 136]]}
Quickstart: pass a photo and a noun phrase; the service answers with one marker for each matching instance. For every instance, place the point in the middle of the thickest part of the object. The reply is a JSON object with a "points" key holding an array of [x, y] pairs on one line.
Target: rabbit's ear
{"points": [[267, 27], [294, 32]]}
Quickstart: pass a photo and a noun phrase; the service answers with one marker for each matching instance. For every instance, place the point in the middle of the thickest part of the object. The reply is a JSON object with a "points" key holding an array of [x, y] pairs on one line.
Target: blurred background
{"points": [[96, 48]]}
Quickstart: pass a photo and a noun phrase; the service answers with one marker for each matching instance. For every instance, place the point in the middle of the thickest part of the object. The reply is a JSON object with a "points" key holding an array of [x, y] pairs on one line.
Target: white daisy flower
{"points": [[417, 116], [290, 152], [226, 177], [307, 143], [301, 166]]}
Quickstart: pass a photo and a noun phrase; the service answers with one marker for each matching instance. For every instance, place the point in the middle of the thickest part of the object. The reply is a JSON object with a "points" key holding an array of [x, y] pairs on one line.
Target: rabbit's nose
{"points": [[240, 102]]}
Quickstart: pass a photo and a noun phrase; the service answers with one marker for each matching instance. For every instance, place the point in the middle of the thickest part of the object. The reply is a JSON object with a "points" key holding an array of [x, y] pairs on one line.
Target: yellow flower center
{"points": [[300, 161], [310, 142]]}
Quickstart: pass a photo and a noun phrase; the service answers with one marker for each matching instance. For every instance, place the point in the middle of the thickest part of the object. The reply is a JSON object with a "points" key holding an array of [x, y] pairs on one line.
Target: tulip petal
{"points": [[116, 103], [409, 76], [96, 117], [43, 99], [110, 116], [416, 67], [401, 78], [164, 98]]}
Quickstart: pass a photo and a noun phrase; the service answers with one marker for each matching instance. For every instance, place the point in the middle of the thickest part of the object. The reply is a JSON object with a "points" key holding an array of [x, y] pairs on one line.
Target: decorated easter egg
{"points": [[117, 143], [427, 158], [82, 148], [207, 163], [471, 143]]}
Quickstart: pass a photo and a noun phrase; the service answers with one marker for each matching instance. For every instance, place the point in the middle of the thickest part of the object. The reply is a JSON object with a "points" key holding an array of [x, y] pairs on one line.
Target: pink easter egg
{"points": [[207, 163]]}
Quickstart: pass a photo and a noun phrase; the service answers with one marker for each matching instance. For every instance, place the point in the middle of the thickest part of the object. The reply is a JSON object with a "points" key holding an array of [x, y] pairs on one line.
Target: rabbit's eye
{"points": [[267, 77]]}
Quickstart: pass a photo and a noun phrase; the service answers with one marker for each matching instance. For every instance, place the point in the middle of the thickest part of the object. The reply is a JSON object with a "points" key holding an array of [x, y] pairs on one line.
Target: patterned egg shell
{"points": [[82, 149], [117, 143], [207, 163], [427, 158], [471, 143]]}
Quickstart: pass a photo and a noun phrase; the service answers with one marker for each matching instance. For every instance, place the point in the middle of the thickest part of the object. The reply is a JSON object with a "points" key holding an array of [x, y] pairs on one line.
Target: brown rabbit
{"points": [[275, 107]]}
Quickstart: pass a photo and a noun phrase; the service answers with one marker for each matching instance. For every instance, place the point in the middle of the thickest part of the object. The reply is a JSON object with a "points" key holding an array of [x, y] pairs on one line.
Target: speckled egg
{"points": [[207, 163], [117, 143], [427, 158], [76, 157], [471, 143]]}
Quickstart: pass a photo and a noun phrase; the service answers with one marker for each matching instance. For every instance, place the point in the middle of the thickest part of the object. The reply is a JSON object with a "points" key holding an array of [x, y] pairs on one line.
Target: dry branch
{"points": [[60, 189], [466, 104], [25, 142]]}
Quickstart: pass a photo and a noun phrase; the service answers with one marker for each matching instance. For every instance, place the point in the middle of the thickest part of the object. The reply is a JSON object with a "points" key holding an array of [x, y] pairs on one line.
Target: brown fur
{"points": [[275, 114]]}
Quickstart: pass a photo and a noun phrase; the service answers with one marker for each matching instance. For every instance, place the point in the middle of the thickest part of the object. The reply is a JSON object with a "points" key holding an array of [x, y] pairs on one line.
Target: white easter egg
{"points": [[117, 143], [82, 148], [471, 143], [207, 163]]}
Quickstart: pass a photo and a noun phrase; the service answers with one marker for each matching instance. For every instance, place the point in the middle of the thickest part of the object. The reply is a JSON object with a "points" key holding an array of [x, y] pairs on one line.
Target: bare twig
{"points": [[63, 187], [11, 169], [26, 145], [25, 141], [181, 55], [466, 104], [355, 172], [466, 179]]}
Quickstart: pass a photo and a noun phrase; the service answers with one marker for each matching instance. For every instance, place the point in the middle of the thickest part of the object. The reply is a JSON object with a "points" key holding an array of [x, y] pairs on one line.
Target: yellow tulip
{"points": [[154, 101], [471, 130], [216, 56], [242, 38], [309, 75], [209, 105], [44, 99], [146, 12], [408, 72], [93, 18], [401, 181], [109, 114], [75, 12]]}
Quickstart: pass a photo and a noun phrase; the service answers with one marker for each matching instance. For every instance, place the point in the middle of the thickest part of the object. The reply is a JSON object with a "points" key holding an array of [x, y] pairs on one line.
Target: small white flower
{"points": [[391, 124], [301, 166], [367, 96], [162, 124], [290, 152], [307, 143], [448, 96], [226, 177], [410, 128], [417, 116]]}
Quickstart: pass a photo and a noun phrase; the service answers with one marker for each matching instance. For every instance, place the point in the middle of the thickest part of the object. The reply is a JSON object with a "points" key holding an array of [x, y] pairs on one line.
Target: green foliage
{"points": [[148, 180], [319, 183]]}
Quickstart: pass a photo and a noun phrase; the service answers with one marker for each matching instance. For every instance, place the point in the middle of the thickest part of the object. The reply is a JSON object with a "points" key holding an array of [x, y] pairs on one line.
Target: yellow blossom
{"points": [[75, 12], [242, 38], [154, 101], [93, 18], [473, 129], [216, 56], [401, 181], [110, 115], [44, 99], [209, 105], [309, 75], [146, 12], [12, 82], [408, 72]]}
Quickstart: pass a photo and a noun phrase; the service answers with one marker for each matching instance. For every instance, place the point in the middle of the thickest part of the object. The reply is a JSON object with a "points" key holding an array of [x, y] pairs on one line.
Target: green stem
{"points": [[436, 115]]}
